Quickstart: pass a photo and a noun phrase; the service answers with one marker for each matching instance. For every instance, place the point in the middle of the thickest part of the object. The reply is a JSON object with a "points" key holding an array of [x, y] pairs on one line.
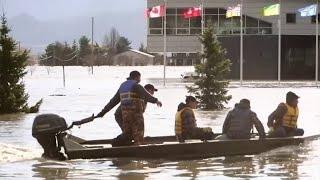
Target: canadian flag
{"points": [[192, 12], [156, 11]]}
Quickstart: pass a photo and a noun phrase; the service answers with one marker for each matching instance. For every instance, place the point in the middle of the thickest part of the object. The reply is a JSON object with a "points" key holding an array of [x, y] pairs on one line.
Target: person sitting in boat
{"points": [[123, 139], [132, 97], [185, 122], [239, 122], [283, 121]]}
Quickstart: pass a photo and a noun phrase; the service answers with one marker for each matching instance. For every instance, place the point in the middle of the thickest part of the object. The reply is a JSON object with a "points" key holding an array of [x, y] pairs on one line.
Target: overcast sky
{"points": [[57, 9]]}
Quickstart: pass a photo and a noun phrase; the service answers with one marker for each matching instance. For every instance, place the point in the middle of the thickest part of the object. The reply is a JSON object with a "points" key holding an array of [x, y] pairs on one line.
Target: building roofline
{"points": [[139, 52]]}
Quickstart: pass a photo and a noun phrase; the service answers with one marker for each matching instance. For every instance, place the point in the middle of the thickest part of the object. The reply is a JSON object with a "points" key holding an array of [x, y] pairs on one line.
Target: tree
{"points": [[112, 39], [84, 50], [123, 45], [210, 89], [12, 69], [47, 58], [84, 46], [142, 48]]}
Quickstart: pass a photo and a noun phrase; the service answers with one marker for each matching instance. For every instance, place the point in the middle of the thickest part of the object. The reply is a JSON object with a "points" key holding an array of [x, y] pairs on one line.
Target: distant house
{"points": [[133, 58]]}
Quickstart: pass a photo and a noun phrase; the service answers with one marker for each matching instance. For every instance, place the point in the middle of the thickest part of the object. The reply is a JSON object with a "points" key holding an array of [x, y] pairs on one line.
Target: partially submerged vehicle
{"points": [[51, 132], [189, 76]]}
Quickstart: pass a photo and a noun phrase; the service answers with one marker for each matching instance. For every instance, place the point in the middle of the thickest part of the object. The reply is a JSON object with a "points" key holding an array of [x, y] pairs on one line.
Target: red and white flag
{"points": [[192, 12], [156, 11]]}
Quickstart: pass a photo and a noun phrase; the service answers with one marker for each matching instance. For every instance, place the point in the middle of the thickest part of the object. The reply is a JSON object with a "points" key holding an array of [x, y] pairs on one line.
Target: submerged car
{"points": [[189, 76]]}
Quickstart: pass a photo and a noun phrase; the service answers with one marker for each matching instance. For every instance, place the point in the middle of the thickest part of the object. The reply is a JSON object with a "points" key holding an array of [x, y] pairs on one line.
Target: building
{"points": [[260, 40], [133, 58]]}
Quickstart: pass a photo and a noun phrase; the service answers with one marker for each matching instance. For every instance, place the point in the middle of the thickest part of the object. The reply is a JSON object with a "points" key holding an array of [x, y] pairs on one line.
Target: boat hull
{"points": [[167, 148]]}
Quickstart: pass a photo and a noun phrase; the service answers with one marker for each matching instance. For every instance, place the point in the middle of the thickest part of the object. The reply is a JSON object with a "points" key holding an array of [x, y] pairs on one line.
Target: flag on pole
{"points": [[192, 12], [156, 11], [271, 10], [233, 11], [308, 11]]}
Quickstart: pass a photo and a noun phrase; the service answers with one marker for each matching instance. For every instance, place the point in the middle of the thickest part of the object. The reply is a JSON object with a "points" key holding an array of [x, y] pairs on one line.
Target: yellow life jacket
{"points": [[178, 122], [291, 117]]}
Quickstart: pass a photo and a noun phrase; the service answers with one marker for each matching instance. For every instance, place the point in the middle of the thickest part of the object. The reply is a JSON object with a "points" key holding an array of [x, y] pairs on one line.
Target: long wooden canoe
{"points": [[168, 148]]}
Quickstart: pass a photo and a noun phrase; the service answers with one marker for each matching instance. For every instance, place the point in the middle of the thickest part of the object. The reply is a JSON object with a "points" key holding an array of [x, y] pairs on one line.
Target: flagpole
{"points": [[317, 43], [202, 28], [241, 43], [164, 42], [279, 43]]}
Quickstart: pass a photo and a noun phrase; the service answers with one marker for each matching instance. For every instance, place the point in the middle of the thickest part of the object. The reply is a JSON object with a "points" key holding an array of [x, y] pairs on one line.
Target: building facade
{"points": [[260, 39]]}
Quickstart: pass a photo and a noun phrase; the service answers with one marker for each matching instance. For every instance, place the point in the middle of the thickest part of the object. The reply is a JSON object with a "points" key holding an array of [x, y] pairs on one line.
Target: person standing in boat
{"points": [[240, 121], [283, 121], [185, 122], [132, 97], [123, 139]]}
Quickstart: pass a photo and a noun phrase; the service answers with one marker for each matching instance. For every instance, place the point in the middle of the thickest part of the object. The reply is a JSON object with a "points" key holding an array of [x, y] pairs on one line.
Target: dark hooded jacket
{"points": [[240, 121]]}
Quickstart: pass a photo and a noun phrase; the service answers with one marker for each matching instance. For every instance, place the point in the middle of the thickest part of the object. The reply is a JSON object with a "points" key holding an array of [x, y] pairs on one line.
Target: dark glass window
{"points": [[182, 22], [171, 11], [264, 24], [211, 20], [195, 21], [171, 22], [155, 22], [236, 21], [211, 11], [291, 18], [313, 19], [182, 10], [222, 11], [155, 31], [182, 31], [251, 22], [195, 30], [171, 31]]}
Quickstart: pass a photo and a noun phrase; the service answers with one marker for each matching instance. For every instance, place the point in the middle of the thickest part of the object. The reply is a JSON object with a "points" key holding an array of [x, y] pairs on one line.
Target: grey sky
{"points": [[36, 23], [57, 9]]}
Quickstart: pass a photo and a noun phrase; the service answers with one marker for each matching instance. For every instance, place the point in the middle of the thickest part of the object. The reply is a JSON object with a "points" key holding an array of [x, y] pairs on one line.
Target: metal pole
{"points": [[279, 43], [164, 42], [317, 44], [64, 76], [92, 48], [241, 43], [202, 28]]}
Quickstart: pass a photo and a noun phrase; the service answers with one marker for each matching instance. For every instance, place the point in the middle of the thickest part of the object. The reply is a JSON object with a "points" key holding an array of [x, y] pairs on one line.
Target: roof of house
{"points": [[139, 52]]}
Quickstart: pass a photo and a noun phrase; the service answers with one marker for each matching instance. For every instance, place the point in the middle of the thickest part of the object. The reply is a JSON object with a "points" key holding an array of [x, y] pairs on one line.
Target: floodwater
{"points": [[84, 94]]}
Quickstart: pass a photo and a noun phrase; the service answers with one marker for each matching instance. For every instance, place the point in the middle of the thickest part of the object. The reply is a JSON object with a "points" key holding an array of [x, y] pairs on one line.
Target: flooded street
{"points": [[85, 94]]}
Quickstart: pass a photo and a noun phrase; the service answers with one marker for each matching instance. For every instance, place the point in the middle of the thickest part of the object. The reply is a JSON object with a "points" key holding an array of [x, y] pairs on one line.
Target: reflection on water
{"points": [[50, 170]]}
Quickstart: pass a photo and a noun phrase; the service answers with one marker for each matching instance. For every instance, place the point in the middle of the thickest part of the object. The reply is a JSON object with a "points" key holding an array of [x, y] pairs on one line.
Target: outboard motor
{"points": [[47, 130]]}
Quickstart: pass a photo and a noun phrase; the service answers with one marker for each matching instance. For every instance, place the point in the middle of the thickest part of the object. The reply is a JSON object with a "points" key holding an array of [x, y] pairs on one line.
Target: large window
{"points": [[313, 19], [195, 25], [177, 24], [291, 18], [171, 25], [155, 25]]}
